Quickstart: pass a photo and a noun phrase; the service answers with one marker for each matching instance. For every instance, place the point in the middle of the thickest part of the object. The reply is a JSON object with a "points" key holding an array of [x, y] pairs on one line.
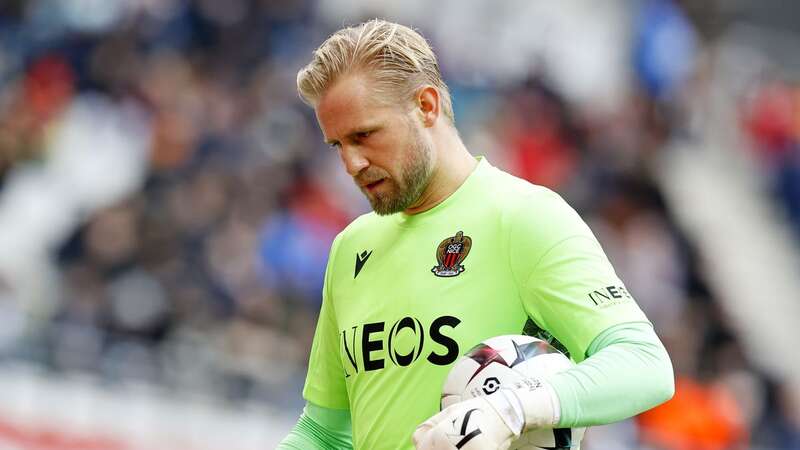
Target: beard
{"points": [[399, 194]]}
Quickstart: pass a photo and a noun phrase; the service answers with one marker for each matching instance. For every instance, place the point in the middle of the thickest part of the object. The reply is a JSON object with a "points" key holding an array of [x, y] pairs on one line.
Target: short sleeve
{"points": [[325, 381], [567, 284]]}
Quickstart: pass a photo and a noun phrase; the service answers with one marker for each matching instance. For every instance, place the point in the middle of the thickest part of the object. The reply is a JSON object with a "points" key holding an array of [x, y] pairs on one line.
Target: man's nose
{"points": [[354, 160]]}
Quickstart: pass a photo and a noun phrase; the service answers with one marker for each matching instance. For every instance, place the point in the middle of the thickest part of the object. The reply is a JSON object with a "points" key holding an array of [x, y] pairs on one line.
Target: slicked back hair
{"points": [[397, 60]]}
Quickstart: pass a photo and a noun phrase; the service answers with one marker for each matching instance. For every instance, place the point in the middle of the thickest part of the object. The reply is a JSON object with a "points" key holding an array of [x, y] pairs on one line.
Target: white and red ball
{"points": [[500, 361]]}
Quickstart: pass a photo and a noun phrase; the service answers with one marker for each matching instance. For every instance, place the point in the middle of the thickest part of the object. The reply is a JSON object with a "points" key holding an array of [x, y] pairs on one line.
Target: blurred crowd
{"points": [[193, 258], [771, 119]]}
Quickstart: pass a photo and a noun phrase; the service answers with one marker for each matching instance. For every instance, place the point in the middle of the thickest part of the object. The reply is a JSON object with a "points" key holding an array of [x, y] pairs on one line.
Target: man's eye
{"points": [[363, 134], [335, 145]]}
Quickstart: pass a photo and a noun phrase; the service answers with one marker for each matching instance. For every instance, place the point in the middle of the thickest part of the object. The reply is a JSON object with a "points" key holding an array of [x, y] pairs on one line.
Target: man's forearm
{"points": [[320, 428], [627, 372]]}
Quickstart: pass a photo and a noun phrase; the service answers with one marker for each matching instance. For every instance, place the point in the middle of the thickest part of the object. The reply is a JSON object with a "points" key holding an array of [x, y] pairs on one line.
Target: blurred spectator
{"points": [[697, 418]]}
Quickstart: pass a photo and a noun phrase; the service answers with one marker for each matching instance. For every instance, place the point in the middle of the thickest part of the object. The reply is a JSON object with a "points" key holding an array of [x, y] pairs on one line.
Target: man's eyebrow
{"points": [[366, 128]]}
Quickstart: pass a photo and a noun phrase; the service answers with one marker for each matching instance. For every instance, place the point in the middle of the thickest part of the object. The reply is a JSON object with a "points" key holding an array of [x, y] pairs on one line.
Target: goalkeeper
{"points": [[454, 252]]}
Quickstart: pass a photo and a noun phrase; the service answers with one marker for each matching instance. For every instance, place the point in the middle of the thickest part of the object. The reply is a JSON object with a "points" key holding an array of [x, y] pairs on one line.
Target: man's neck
{"points": [[452, 167]]}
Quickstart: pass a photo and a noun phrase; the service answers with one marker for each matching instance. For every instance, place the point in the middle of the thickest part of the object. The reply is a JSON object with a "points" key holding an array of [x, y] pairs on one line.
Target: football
{"points": [[501, 361]]}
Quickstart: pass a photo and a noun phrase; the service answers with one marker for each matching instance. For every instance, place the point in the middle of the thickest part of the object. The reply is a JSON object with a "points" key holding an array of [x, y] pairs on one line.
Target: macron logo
{"points": [[361, 260]]}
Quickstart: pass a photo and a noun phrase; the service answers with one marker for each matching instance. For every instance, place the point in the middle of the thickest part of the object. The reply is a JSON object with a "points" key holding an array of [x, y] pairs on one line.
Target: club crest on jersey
{"points": [[450, 254]]}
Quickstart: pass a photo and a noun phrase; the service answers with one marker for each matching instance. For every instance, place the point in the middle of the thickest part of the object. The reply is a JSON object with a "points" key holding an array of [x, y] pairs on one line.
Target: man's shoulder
{"points": [[532, 209], [514, 192], [367, 223]]}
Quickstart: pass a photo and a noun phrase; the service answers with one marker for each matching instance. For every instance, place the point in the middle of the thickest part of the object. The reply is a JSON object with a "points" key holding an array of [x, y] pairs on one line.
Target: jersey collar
{"points": [[404, 219]]}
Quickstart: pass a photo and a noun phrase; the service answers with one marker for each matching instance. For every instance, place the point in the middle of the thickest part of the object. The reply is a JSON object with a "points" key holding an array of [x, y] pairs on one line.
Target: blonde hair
{"points": [[396, 58]]}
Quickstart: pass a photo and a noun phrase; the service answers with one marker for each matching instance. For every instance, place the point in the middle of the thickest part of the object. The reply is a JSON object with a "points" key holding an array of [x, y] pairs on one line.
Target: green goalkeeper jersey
{"points": [[406, 295]]}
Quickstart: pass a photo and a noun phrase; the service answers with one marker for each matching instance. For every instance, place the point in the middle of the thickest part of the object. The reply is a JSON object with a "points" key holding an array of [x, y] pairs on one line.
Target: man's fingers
{"points": [[432, 437], [435, 420], [420, 434]]}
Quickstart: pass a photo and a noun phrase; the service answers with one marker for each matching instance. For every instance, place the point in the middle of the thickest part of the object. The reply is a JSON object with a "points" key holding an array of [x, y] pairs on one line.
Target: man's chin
{"points": [[391, 200], [384, 210], [384, 206]]}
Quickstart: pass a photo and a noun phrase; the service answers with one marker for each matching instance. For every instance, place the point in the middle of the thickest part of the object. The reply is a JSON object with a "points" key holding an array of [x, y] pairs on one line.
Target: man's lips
{"points": [[371, 186]]}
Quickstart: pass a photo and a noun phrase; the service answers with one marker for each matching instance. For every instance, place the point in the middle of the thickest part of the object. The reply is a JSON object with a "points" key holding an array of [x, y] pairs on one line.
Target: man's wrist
{"points": [[540, 404], [507, 405]]}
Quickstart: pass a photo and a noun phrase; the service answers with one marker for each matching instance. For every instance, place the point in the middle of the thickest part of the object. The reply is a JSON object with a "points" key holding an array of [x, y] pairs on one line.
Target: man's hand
{"points": [[490, 422]]}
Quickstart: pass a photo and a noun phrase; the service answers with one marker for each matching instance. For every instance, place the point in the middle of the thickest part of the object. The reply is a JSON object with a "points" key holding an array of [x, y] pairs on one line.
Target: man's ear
{"points": [[428, 105]]}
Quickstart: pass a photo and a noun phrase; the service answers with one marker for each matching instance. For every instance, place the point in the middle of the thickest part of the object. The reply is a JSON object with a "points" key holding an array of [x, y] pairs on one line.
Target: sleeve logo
{"points": [[450, 253], [609, 295]]}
